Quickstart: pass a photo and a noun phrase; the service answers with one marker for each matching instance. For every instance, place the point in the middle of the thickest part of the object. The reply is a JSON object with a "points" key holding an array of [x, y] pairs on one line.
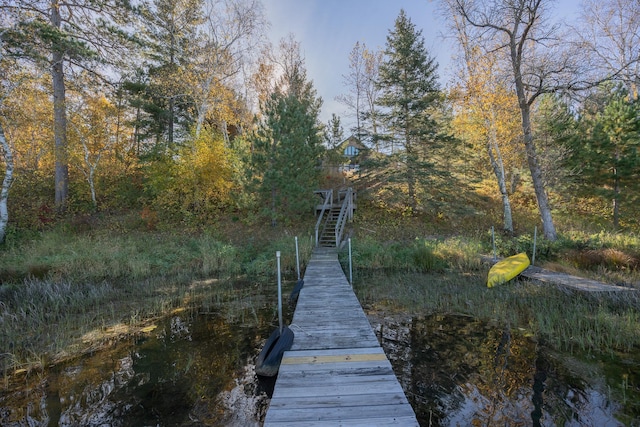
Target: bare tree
{"points": [[232, 34], [363, 93], [372, 61], [354, 81], [539, 60], [611, 34]]}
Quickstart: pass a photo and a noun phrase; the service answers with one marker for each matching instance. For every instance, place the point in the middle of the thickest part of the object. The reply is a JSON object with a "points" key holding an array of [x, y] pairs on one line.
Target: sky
{"points": [[328, 29]]}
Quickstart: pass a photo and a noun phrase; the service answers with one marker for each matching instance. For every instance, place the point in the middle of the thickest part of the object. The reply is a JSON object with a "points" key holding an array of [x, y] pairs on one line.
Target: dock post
{"points": [[535, 238], [279, 291], [350, 265], [297, 258]]}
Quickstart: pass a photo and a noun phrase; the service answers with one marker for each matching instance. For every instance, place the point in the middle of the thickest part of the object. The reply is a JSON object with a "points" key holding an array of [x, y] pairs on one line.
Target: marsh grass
{"points": [[419, 255], [568, 320], [61, 293], [92, 288]]}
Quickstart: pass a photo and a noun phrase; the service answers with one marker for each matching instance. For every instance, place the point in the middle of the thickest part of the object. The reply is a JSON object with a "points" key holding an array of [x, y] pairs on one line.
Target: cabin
{"points": [[347, 155]]}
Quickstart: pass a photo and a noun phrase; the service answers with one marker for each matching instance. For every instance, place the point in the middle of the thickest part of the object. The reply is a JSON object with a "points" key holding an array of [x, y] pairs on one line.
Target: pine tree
{"points": [[335, 134], [607, 155], [556, 133], [172, 41], [409, 100], [288, 145], [64, 36]]}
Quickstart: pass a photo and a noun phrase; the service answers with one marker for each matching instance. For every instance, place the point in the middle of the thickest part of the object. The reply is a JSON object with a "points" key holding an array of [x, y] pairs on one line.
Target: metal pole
{"points": [[297, 258], [493, 242], [350, 265], [535, 238], [279, 292]]}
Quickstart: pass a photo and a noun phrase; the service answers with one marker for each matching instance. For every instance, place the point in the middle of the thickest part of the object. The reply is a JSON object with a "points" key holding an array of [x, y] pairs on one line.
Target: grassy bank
{"points": [[446, 276], [64, 293]]}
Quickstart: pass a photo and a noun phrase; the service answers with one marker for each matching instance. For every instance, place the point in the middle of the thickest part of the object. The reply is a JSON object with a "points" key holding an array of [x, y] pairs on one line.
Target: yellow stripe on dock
{"points": [[303, 360]]}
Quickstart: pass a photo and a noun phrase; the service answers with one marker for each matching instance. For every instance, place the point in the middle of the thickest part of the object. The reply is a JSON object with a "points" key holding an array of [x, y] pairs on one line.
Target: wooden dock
{"points": [[336, 373], [569, 281]]}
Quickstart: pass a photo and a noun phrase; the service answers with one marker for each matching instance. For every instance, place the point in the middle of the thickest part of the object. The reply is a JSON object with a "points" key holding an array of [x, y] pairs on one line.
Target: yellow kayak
{"points": [[507, 269]]}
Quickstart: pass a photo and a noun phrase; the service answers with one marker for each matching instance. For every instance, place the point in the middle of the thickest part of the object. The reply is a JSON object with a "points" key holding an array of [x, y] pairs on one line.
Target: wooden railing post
{"points": [[345, 213], [328, 201]]}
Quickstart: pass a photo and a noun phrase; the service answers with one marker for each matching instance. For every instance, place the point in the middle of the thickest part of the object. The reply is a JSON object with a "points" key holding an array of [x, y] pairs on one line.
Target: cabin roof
{"points": [[352, 141]]}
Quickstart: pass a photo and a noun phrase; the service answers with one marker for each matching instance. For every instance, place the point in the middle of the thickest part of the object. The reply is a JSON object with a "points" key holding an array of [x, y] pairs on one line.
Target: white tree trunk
{"points": [[498, 169], [6, 184], [90, 171], [524, 102], [536, 67], [89, 168], [93, 189]]}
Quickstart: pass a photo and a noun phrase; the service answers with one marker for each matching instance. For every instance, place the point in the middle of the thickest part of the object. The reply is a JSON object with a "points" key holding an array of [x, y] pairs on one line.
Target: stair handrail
{"points": [[346, 212], [328, 201]]}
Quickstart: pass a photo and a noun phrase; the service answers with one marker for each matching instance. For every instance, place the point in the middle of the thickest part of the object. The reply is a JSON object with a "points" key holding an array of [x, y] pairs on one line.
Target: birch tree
{"points": [[518, 30], [370, 114], [93, 122], [5, 149], [486, 117], [363, 91], [232, 34], [7, 156], [354, 81]]}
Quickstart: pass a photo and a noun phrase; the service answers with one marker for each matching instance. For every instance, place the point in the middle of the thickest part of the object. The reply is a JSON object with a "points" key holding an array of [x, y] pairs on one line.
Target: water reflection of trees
{"points": [[459, 371], [459, 359], [182, 373]]}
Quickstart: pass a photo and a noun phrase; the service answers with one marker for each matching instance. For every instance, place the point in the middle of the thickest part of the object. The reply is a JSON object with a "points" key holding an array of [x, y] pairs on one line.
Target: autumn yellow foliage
{"points": [[197, 181]]}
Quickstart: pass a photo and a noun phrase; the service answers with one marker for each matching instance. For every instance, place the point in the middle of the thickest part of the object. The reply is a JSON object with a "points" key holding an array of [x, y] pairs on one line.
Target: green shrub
{"points": [[424, 258], [461, 254], [419, 256]]}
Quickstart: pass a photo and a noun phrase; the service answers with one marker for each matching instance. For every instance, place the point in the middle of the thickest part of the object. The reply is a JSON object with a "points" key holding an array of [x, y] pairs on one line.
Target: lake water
{"points": [[457, 371], [196, 368]]}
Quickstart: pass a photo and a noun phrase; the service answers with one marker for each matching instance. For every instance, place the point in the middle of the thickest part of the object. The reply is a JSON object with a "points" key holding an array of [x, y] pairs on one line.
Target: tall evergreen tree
{"points": [[556, 135], [335, 134], [172, 41], [409, 100], [63, 35], [608, 155], [288, 142]]}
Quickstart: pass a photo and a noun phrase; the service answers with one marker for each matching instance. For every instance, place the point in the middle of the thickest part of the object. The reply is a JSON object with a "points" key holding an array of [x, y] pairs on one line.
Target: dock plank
{"points": [[336, 373], [365, 422], [340, 413]]}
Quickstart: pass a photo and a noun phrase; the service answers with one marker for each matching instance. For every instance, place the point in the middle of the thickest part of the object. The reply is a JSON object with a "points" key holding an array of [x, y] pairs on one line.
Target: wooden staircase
{"points": [[333, 216], [328, 234]]}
